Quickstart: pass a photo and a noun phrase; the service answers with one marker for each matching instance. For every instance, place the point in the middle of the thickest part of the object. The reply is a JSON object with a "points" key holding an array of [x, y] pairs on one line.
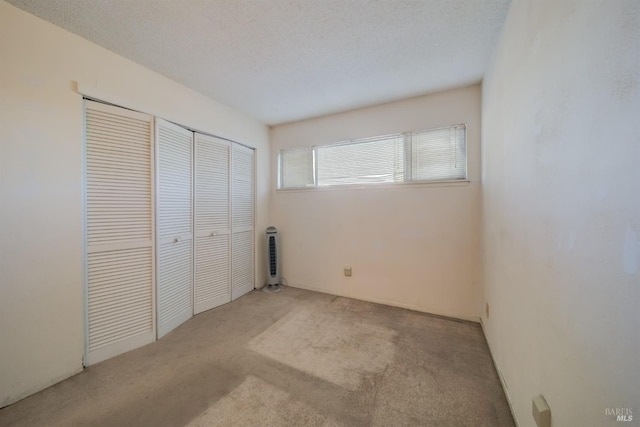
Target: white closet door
{"points": [[242, 221], [175, 233], [212, 223], [119, 264]]}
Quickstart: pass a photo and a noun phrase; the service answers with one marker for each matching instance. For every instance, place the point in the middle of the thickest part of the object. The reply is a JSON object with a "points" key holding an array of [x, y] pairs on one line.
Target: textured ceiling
{"points": [[285, 60]]}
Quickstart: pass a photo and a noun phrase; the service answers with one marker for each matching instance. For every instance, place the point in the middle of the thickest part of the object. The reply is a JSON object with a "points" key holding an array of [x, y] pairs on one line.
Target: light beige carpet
{"points": [[328, 345], [295, 358], [258, 403]]}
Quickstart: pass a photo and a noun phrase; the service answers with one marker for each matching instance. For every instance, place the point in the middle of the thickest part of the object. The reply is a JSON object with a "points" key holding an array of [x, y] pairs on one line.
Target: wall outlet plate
{"points": [[541, 411], [347, 271]]}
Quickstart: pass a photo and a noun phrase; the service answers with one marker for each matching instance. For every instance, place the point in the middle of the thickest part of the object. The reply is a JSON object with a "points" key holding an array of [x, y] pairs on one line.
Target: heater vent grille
{"points": [[273, 257]]}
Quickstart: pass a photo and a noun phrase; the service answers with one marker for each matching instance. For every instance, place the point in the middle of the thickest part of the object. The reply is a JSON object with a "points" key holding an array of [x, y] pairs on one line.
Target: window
{"points": [[296, 168], [361, 162], [431, 155]]}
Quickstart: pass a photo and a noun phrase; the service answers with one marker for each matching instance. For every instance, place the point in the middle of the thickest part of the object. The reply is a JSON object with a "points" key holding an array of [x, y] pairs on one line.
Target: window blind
{"points": [[421, 156], [438, 154], [363, 162], [296, 168]]}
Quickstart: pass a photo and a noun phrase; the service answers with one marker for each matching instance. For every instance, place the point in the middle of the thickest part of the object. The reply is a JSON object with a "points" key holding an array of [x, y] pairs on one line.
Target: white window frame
{"points": [[407, 166]]}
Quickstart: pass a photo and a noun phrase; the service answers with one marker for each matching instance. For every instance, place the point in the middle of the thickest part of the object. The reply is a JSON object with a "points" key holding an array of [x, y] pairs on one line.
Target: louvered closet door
{"points": [[119, 231], [175, 233], [242, 221], [212, 223]]}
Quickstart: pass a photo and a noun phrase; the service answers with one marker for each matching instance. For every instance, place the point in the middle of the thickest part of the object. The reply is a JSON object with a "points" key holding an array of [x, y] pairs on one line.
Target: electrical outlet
{"points": [[486, 309], [347, 271], [541, 411]]}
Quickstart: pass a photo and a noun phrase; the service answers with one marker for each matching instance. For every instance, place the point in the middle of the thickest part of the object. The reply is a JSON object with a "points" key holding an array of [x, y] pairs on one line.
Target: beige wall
{"points": [[561, 207], [414, 246], [41, 312]]}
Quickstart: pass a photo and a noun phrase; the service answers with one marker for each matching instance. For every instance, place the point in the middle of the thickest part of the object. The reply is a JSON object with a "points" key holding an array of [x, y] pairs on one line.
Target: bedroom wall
{"points": [[41, 122], [414, 246], [561, 208]]}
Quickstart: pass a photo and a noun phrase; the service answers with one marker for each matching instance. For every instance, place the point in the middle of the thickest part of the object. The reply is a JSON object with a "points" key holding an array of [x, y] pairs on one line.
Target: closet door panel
{"points": [[212, 272], [242, 176], [174, 286], [212, 222], [242, 263], [174, 147], [119, 221]]}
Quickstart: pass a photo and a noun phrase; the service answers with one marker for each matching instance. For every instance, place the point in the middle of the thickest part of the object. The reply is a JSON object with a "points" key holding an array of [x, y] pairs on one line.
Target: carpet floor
{"points": [[294, 358]]}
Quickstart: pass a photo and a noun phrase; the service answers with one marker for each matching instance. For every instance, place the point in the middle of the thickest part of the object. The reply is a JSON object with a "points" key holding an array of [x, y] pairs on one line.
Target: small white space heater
{"points": [[273, 260]]}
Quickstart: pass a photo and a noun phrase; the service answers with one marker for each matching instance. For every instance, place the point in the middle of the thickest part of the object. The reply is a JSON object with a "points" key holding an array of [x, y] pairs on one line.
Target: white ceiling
{"points": [[285, 60]]}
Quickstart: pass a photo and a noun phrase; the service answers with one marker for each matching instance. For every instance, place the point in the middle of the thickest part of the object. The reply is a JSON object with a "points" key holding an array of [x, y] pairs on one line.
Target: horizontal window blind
{"points": [[296, 168], [422, 156], [438, 154], [363, 162]]}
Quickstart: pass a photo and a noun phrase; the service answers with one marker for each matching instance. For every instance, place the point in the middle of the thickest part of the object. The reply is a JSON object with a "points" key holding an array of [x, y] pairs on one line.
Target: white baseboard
{"points": [[502, 380], [474, 319]]}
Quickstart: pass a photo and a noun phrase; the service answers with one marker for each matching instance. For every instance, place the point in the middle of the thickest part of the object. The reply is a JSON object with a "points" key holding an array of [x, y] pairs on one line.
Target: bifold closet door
{"points": [[174, 153], [242, 221], [212, 223], [119, 245]]}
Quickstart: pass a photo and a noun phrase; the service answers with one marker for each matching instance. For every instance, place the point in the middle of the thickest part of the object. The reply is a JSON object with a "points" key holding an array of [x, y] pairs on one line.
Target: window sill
{"points": [[447, 183]]}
